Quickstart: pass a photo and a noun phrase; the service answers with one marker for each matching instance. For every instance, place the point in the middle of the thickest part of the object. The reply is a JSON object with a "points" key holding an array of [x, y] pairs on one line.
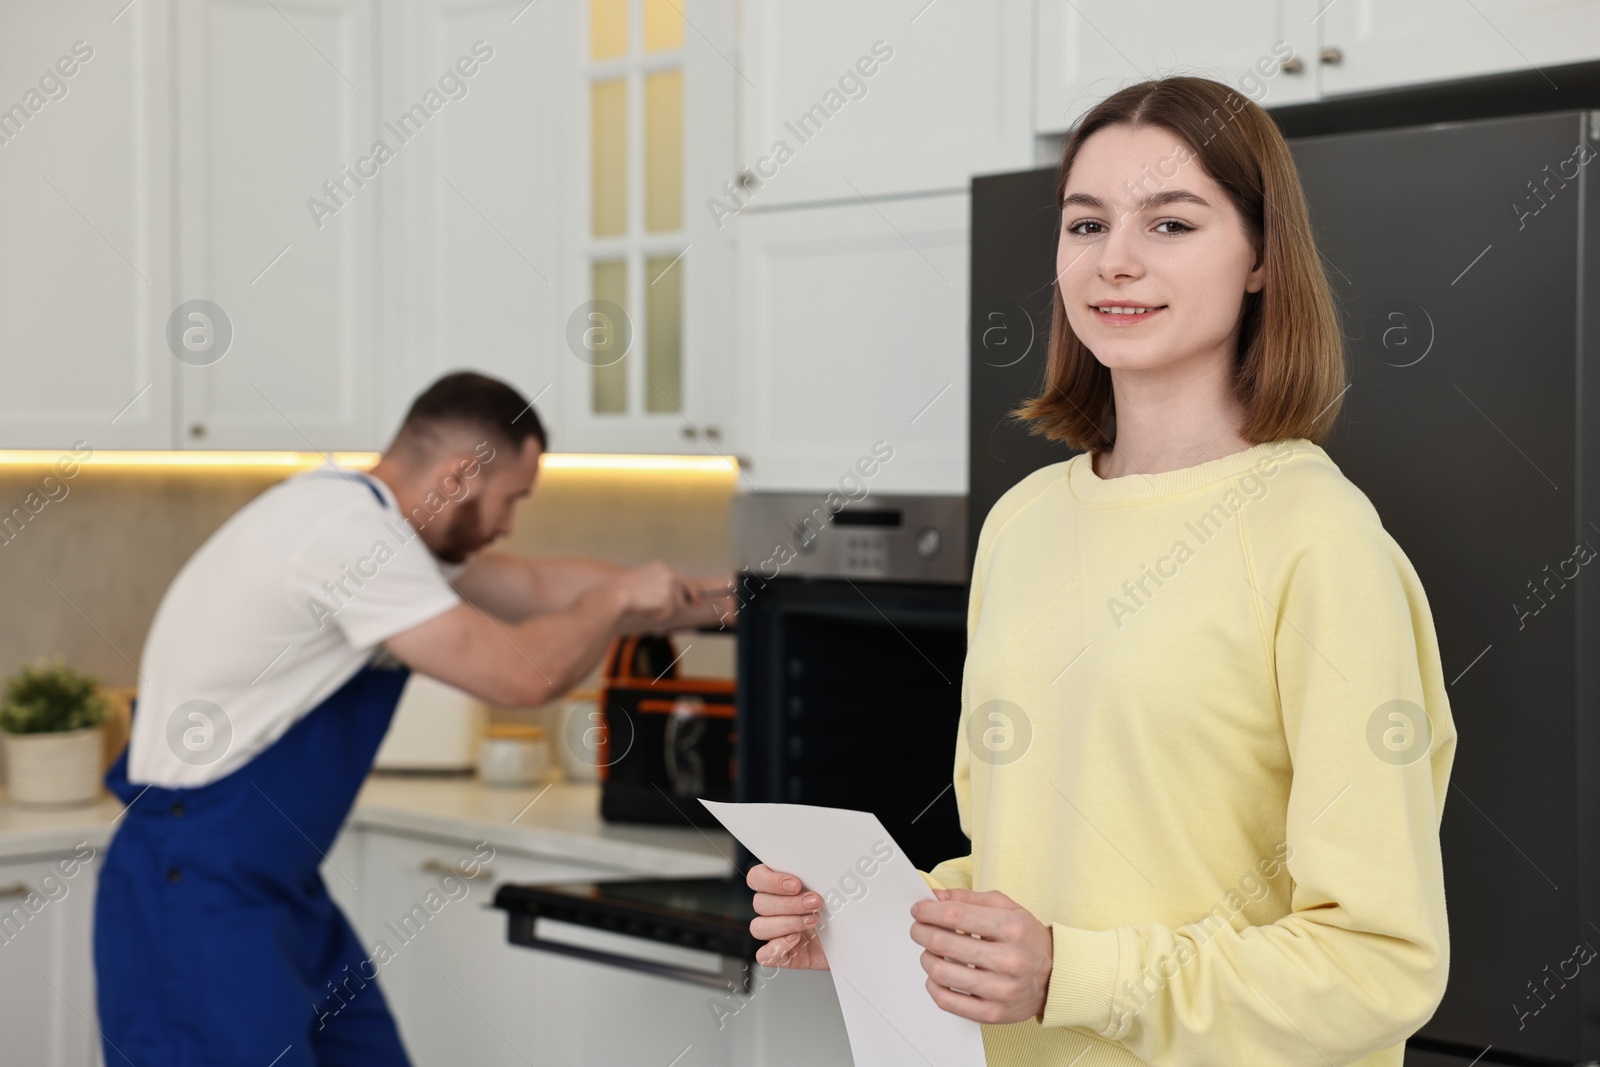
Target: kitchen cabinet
{"points": [[276, 226], [334, 203], [463, 994], [46, 916], [852, 329], [844, 100], [645, 332], [1085, 50], [493, 263], [1383, 44], [85, 284], [477, 274]]}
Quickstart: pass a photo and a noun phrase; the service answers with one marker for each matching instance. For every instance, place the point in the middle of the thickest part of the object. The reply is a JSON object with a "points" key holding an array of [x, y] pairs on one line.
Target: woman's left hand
{"points": [[999, 976]]}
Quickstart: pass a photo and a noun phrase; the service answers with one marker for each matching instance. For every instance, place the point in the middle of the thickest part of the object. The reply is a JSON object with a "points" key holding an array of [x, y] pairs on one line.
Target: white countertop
{"points": [[26, 831], [560, 819]]}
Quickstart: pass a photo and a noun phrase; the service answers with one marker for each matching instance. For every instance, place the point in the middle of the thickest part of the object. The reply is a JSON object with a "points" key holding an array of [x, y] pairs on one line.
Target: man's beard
{"points": [[461, 535]]}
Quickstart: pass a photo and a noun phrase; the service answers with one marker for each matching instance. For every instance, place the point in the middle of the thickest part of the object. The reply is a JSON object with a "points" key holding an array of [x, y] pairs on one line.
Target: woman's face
{"points": [[1142, 224]]}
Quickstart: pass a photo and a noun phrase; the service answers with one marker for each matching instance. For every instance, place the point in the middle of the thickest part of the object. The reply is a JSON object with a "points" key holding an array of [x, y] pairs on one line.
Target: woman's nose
{"points": [[1119, 251]]}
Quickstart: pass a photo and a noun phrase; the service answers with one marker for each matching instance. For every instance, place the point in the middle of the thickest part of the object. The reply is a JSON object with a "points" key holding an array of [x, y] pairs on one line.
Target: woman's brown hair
{"points": [[1290, 374]]}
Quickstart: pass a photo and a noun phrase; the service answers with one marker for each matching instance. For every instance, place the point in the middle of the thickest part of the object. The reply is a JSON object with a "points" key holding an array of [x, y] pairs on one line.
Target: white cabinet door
{"points": [[843, 99], [852, 332], [47, 1007], [1088, 49], [458, 991], [85, 281], [1386, 43], [277, 199], [462, 993], [475, 273]]}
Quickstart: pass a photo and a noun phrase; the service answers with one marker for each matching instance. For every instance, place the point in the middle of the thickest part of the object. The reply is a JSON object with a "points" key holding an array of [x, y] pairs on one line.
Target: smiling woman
{"points": [[1117, 769]]}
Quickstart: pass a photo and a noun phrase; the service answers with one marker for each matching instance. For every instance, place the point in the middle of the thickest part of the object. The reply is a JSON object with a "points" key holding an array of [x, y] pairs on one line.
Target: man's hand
{"points": [[1002, 974], [655, 599]]}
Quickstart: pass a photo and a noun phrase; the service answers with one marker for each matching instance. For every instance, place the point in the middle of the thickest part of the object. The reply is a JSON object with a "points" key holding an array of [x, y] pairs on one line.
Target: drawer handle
{"points": [[484, 874], [11, 892]]}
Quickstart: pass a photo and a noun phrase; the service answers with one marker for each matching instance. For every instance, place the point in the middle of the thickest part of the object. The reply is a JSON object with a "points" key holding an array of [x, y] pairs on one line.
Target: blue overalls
{"points": [[215, 940]]}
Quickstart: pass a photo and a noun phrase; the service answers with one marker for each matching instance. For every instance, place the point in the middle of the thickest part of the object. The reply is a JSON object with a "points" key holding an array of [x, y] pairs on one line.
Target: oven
{"points": [[851, 637]]}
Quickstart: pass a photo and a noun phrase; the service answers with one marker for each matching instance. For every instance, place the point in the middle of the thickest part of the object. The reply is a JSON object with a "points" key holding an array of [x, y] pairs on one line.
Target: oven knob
{"points": [[928, 542], [805, 540]]}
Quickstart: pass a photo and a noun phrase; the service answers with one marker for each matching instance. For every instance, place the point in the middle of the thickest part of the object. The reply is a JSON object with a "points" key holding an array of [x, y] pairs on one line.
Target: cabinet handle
{"points": [[11, 892], [197, 430], [712, 433], [440, 867], [1293, 65], [1332, 56]]}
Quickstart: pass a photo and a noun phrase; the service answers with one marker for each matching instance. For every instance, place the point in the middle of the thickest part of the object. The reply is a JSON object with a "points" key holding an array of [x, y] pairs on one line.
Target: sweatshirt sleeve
{"points": [[1360, 961]]}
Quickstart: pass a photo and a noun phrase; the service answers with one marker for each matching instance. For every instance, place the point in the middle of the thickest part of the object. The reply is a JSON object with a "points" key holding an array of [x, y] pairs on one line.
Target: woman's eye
{"points": [[1183, 227]]}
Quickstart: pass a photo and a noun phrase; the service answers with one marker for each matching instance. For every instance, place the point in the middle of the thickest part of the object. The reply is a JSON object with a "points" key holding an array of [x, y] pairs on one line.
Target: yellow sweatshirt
{"points": [[1205, 739]]}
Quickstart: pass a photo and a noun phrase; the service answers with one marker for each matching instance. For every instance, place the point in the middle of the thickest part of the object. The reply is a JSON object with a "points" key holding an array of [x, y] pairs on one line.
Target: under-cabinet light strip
{"points": [[157, 460]]}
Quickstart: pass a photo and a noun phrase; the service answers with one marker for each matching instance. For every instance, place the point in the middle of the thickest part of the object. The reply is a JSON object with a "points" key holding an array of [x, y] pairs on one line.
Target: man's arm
{"points": [[531, 662], [513, 587], [521, 664]]}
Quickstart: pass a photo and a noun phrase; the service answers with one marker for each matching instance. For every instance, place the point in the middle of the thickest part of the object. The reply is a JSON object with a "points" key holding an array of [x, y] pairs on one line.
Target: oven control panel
{"points": [[884, 537]]}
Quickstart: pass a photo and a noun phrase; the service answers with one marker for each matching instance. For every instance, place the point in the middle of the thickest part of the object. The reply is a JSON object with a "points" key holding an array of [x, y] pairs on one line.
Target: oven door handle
{"points": [[734, 975]]}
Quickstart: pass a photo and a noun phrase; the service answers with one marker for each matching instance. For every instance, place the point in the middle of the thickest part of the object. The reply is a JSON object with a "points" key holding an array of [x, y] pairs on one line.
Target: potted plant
{"points": [[52, 720]]}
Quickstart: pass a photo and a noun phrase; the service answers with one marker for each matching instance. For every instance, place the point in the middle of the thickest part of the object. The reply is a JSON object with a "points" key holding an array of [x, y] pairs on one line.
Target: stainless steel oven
{"points": [[851, 638]]}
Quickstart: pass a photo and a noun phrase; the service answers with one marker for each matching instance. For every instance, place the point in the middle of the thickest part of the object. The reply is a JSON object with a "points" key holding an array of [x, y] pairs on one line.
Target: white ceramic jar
{"points": [[513, 754]]}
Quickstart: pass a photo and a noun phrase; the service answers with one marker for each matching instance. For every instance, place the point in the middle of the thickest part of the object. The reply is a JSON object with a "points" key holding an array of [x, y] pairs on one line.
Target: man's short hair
{"points": [[466, 400]]}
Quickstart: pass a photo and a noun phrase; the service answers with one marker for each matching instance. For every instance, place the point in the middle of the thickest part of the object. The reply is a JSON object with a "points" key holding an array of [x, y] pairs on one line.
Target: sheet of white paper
{"points": [[867, 885]]}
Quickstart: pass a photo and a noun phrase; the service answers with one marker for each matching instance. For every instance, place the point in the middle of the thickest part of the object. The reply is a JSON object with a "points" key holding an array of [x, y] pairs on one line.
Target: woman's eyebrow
{"points": [[1161, 199]]}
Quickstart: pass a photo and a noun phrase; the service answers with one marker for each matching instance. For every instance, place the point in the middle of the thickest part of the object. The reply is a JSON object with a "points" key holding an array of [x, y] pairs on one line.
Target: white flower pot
{"points": [[59, 769]]}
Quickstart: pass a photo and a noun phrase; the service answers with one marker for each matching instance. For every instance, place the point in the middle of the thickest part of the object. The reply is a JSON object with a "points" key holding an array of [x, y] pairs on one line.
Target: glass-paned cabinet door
{"points": [[636, 239]]}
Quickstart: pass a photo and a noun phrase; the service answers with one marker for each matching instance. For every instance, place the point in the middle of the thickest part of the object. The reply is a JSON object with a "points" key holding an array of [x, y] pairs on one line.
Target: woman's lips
{"points": [[1113, 318]]}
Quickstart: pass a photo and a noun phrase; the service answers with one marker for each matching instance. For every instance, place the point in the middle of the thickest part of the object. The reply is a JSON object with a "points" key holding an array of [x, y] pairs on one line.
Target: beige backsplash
{"points": [[82, 579]]}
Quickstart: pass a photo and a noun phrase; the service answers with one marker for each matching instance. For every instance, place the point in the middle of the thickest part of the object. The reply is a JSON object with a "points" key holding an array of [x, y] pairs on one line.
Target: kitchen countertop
{"points": [[26, 831], [560, 819]]}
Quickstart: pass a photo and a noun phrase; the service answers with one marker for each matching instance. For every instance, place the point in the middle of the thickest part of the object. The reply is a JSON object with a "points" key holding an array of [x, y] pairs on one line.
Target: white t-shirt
{"points": [[278, 609]]}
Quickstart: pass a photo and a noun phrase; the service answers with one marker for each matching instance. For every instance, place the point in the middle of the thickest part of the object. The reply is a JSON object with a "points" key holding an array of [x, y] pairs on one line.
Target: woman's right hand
{"points": [[787, 918]]}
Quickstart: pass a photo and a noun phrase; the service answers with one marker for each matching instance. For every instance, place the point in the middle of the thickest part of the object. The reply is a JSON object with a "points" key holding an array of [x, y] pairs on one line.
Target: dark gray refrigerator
{"points": [[1465, 260]]}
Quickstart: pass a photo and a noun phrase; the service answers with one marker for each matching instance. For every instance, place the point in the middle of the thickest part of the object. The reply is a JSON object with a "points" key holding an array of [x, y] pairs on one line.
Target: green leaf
{"points": [[51, 698]]}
